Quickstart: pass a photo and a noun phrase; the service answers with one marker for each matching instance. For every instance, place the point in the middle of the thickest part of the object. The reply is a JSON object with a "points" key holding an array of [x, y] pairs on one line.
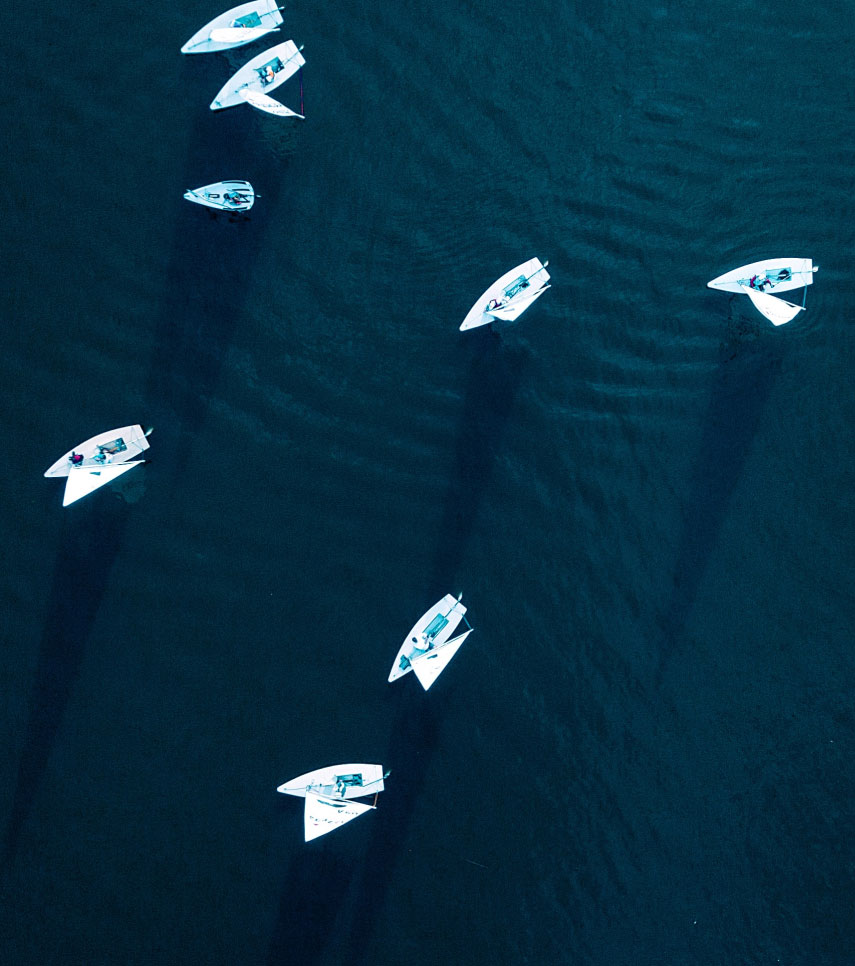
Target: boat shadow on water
{"points": [[749, 363], [205, 284], [92, 534], [496, 368]]}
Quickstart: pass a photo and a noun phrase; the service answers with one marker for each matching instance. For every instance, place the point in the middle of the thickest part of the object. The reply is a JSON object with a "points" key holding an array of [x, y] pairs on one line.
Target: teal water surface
{"points": [[641, 757]]}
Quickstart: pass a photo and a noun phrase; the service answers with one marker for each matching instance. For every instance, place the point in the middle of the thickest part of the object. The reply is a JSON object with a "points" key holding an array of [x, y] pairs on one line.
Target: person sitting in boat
{"points": [[76, 459], [753, 283], [267, 74], [493, 304]]}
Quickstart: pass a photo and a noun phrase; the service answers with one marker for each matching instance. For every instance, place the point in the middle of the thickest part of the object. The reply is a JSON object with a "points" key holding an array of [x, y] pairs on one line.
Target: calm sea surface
{"points": [[643, 755]]}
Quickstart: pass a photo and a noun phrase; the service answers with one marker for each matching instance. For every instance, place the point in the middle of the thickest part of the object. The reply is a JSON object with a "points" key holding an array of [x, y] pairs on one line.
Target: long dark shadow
{"points": [[496, 366], [748, 367], [314, 890], [208, 279], [92, 533]]}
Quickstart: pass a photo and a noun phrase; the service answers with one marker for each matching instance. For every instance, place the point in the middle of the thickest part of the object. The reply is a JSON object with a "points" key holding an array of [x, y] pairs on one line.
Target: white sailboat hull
{"points": [[236, 27], [415, 643], [337, 781], [264, 73], [782, 275], [223, 195], [117, 445], [536, 276]]}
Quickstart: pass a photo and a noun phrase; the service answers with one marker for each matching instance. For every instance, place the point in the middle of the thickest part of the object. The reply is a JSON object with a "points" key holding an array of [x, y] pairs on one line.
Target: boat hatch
{"points": [[435, 626], [516, 287], [250, 20], [269, 70]]}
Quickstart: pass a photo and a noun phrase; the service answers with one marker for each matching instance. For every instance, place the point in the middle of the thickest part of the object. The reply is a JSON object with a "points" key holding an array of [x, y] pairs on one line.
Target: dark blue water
{"points": [[643, 755]]}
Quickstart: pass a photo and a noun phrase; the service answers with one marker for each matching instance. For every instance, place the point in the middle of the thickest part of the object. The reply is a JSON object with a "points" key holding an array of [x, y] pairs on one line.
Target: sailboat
{"points": [[253, 83], [330, 792], [99, 461], [429, 647], [236, 27], [508, 297], [223, 195], [759, 280]]}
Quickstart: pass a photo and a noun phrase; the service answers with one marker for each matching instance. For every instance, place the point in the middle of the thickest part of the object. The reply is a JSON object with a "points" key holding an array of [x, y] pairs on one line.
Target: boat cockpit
{"points": [[435, 626], [770, 278], [269, 71], [250, 20]]}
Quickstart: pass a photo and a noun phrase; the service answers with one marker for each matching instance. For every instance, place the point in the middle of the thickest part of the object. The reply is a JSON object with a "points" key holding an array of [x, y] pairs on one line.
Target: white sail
{"points": [[239, 35], [516, 307], [84, 479], [268, 104], [432, 663], [778, 311], [324, 814]]}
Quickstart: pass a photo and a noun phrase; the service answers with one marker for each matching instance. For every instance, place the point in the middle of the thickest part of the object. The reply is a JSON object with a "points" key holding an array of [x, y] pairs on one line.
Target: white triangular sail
{"points": [[778, 311], [324, 814], [239, 35], [85, 479], [431, 664], [268, 104], [516, 307]]}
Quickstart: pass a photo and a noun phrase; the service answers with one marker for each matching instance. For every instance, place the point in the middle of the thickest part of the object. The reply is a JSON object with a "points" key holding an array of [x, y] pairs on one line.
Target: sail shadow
{"points": [[314, 890], [92, 534], [741, 387], [412, 745], [495, 370], [207, 280]]}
